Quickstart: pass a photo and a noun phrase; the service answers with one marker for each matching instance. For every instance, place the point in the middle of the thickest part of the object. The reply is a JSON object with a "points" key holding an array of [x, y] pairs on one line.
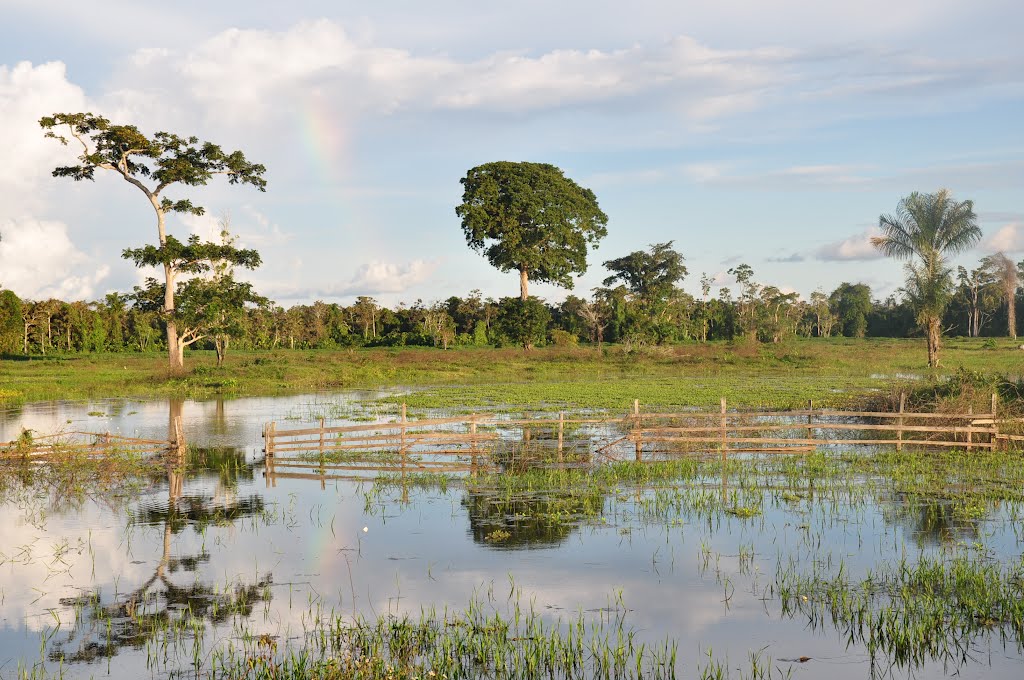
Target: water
{"points": [[245, 558]]}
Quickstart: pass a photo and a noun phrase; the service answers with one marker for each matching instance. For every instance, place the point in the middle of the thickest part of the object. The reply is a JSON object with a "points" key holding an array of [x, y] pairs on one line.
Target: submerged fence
{"points": [[32, 446], [478, 442]]}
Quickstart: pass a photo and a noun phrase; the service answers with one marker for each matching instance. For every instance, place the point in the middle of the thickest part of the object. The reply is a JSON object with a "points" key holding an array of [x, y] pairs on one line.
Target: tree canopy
{"points": [[650, 273], [531, 218]]}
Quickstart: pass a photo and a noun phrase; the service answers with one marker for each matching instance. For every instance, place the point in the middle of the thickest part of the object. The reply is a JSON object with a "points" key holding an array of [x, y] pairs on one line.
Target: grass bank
{"points": [[832, 371]]}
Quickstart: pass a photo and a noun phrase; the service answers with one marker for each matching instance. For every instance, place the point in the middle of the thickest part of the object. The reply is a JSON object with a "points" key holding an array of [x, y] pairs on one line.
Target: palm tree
{"points": [[925, 229]]}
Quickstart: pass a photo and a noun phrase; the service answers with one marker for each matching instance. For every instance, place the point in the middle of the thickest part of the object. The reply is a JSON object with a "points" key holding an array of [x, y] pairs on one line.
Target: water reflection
{"points": [[177, 558], [933, 522], [528, 521], [161, 606]]}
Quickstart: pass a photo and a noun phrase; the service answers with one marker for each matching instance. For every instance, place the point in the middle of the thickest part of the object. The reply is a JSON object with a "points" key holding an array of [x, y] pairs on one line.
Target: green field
{"points": [[833, 371]]}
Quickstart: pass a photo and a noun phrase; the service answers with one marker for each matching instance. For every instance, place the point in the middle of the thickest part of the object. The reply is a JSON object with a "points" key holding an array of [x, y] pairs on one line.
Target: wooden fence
{"points": [[478, 442], [42, 447]]}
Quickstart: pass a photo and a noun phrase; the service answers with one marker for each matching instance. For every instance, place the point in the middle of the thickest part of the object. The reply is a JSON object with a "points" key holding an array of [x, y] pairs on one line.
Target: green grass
{"points": [[828, 371]]}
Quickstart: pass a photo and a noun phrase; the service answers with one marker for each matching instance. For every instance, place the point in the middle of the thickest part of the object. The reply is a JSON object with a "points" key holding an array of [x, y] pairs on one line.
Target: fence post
{"points": [[994, 437], [472, 444], [269, 458], [725, 447], [561, 430], [401, 449], [638, 432], [321, 437], [899, 422], [810, 420], [725, 431], [970, 427]]}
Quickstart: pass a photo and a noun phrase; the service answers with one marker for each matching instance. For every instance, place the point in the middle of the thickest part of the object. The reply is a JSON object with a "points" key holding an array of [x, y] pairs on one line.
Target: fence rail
{"points": [[483, 441], [39, 447]]}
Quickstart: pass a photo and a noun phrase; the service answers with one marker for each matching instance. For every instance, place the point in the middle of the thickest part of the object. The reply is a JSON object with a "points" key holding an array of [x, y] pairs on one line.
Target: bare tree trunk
{"points": [[524, 281], [177, 358], [220, 345], [175, 350], [1011, 315]]}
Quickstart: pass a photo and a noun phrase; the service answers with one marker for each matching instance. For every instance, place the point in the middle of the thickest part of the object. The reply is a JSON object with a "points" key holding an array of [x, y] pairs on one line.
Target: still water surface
{"points": [[299, 549]]}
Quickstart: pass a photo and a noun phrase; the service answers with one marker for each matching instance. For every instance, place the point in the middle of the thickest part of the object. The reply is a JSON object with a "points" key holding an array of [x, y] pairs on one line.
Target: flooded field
{"points": [[850, 563]]}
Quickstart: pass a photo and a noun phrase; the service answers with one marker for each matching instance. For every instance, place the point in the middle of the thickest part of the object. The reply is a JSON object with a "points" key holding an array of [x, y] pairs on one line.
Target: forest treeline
{"points": [[638, 312]]}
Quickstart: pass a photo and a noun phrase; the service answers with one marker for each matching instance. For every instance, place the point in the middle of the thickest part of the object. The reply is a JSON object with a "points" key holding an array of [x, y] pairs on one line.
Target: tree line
{"points": [[523, 217], [638, 306]]}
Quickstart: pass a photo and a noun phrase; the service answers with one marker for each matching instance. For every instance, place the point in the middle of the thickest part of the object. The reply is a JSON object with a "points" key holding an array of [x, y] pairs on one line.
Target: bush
{"points": [[560, 338]]}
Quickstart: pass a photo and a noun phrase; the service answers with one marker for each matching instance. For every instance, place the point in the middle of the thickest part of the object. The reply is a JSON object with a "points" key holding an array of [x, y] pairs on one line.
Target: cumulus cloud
{"points": [[27, 93], [245, 71], [388, 277], [39, 261], [1008, 239], [853, 249]]}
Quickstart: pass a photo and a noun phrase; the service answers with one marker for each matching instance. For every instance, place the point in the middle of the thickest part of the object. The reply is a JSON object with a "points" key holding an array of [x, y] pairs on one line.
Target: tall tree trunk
{"points": [[220, 345], [1011, 315], [934, 332], [175, 350], [524, 281]]}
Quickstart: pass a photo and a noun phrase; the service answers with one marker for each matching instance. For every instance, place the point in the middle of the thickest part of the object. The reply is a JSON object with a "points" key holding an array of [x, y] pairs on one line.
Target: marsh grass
{"points": [[830, 371], [485, 640]]}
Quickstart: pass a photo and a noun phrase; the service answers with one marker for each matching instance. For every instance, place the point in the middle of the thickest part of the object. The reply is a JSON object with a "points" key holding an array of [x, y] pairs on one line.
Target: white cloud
{"points": [[855, 248], [245, 73], [388, 277], [1008, 239], [28, 93], [39, 261]]}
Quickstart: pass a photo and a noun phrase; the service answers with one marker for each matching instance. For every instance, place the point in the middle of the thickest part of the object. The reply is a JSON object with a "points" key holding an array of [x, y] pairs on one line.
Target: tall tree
{"points": [[924, 231], [151, 165], [1008, 279], [531, 218]]}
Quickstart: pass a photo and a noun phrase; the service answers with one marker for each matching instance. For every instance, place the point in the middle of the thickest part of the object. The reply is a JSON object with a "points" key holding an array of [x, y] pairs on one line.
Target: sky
{"points": [[771, 133]]}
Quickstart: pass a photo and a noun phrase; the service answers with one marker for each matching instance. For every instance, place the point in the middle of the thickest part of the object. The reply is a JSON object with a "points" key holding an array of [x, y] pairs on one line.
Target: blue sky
{"points": [[771, 133]]}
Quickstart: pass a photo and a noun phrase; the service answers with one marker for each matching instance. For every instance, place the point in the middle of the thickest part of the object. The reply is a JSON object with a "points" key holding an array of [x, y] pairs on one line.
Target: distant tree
{"points": [[924, 231], [850, 303], [824, 320], [979, 293], [1007, 278], [595, 318], [531, 218], [778, 317], [650, 274], [162, 160], [744, 275], [439, 326], [524, 322], [365, 312]]}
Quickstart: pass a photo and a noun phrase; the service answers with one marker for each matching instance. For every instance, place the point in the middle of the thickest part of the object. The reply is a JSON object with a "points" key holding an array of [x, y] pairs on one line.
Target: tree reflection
{"points": [[529, 521], [933, 522], [163, 608]]}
